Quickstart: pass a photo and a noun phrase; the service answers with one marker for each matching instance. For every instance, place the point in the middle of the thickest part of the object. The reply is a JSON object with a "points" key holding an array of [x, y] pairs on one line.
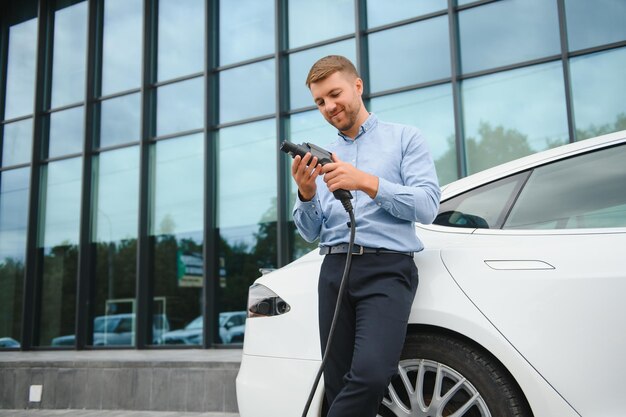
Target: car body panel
{"points": [[571, 312]]}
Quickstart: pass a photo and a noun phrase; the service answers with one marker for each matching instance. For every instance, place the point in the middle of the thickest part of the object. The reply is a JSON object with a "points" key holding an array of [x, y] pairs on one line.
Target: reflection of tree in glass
{"points": [[11, 284], [593, 130]]}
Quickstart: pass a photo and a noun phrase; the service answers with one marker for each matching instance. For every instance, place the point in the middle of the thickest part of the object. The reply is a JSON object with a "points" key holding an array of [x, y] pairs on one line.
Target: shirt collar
{"points": [[369, 124]]}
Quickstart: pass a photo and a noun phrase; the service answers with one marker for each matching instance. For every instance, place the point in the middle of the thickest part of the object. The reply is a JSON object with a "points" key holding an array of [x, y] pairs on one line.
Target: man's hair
{"points": [[329, 65]]}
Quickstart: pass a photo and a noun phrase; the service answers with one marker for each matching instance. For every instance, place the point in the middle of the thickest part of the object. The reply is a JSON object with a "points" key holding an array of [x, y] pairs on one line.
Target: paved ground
{"points": [[106, 413]]}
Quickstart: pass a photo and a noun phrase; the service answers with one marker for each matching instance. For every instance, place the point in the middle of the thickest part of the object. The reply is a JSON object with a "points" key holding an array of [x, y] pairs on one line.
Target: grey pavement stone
{"points": [[107, 413]]}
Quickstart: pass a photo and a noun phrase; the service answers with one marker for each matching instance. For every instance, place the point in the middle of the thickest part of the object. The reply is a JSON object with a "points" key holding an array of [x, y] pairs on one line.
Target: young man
{"points": [[391, 175]]}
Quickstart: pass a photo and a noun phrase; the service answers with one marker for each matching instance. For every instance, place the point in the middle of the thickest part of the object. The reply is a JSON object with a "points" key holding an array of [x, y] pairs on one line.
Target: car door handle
{"points": [[517, 264]]}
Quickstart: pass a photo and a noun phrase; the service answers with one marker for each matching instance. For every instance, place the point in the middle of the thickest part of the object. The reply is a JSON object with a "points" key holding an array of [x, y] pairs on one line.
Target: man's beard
{"points": [[351, 118]]}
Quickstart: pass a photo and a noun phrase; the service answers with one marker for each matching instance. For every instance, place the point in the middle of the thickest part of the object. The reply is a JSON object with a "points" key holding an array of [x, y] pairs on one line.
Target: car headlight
{"points": [[263, 302]]}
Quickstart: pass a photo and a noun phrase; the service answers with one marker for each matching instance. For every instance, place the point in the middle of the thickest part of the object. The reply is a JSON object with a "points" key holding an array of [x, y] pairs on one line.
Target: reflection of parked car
{"points": [[232, 326], [116, 329], [520, 307], [9, 342]]}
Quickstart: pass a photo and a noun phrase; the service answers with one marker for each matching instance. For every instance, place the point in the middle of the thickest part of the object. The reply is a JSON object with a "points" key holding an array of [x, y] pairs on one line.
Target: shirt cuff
{"points": [[306, 206], [384, 196]]}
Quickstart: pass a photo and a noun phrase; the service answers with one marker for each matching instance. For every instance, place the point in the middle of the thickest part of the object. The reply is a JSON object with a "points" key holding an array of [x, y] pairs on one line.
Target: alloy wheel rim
{"points": [[426, 388]]}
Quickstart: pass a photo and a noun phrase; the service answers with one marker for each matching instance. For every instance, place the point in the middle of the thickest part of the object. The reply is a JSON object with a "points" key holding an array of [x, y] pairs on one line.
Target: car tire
{"points": [[471, 382]]}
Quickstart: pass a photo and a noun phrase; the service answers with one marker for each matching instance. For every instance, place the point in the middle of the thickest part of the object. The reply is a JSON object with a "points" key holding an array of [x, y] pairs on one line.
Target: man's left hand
{"points": [[343, 175]]}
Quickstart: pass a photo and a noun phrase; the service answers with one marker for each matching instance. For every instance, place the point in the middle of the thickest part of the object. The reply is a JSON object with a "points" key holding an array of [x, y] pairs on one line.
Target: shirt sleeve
{"points": [[307, 215], [417, 198]]}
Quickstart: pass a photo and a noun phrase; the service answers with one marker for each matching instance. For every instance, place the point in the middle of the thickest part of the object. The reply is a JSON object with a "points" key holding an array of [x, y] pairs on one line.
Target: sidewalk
{"points": [[106, 413]]}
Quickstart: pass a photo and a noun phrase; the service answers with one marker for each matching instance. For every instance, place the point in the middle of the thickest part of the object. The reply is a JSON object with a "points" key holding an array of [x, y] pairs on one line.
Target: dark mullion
{"points": [[31, 305], [84, 279], [600, 48], [211, 117], [362, 55], [144, 291], [406, 21], [571, 125], [4, 62], [320, 43], [283, 254], [455, 71]]}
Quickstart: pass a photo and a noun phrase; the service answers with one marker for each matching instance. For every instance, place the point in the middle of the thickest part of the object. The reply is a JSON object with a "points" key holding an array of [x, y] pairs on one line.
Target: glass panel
{"points": [[598, 91], [120, 120], [248, 91], [121, 45], [66, 132], [311, 127], [512, 114], [381, 12], [246, 29], [484, 207], [69, 56], [246, 215], [413, 46], [114, 238], [58, 241], [181, 38], [593, 23], [596, 198], [176, 228], [300, 64], [20, 84], [14, 186], [180, 106], [498, 34], [18, 143], [332, 18], [431, 110]]}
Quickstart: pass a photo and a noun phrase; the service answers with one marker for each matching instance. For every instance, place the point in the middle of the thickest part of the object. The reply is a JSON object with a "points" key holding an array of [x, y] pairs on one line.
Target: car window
{"points": [[484, 207], [585, 191], [126, 325]]}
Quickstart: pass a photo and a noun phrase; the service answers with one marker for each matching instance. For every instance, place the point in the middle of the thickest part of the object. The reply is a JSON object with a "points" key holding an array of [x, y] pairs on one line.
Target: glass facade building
{"points": [[141, 186]]}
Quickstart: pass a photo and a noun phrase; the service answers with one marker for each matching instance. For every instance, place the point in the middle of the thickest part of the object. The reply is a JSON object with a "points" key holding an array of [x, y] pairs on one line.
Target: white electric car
{"points": [[520, 309]]}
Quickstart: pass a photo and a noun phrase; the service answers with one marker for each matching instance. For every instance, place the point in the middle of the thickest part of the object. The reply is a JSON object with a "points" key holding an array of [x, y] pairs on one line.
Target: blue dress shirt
{"points": [[408, 191]]}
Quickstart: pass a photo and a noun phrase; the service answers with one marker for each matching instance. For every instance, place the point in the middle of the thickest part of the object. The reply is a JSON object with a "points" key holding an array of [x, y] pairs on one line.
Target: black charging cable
{"points": [[324, 157], [342, 287]]}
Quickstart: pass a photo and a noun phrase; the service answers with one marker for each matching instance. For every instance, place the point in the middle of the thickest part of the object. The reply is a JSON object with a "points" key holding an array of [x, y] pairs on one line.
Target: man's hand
{"points": [[342, 175], [305, 175]]}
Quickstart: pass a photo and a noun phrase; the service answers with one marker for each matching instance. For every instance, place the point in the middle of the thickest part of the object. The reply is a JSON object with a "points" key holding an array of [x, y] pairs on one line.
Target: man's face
{"points": [[338, 98]]}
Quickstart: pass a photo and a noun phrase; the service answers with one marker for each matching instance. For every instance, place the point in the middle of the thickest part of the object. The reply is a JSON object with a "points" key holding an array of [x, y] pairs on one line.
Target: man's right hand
{"points": [[305, 175]]}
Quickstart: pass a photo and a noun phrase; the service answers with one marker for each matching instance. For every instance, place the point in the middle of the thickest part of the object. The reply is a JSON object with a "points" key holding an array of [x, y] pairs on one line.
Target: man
{"points": [[391, 175]]}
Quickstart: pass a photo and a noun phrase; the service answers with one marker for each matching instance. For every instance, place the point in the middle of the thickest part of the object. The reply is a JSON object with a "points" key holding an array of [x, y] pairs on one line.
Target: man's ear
{"points": [[359, 85]]}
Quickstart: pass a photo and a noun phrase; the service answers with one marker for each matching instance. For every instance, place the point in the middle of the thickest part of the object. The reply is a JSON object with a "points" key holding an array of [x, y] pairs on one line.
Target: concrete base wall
{"points": [[121, 384]]}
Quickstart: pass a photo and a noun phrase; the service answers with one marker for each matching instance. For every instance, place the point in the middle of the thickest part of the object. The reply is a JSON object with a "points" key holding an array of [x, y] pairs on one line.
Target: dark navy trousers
{"points": [[370, 329]]}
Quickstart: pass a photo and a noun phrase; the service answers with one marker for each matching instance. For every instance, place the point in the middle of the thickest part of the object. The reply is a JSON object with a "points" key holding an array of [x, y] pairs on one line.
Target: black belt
{"points": [[358, 250]]}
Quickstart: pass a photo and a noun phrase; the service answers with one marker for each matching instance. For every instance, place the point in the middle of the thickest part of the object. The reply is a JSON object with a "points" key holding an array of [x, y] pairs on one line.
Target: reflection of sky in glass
{"points": [[530, 100], [62, 203], [300, 64], [121, 45], [246, 29], [593, 23], [13, 213], [247, 91], [314, 21], [178, 185], [431, 111], [20, 86], [116, 199], [598, 87], [181, 38], [17, 142], [180, 106], [247, 176], [68, 62], [120, 120], [66, 132], [506, 32], [419, 54], [381, 12]]}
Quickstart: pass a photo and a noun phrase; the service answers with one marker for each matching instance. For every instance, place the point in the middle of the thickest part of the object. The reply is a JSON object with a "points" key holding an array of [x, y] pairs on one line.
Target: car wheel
{"points": [[442, 376]]}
